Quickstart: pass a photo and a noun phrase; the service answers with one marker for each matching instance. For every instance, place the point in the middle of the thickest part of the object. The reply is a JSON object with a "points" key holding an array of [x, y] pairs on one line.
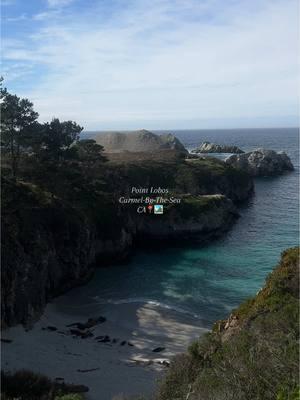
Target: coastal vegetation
{"points": [[253, 354], [26, 385]]}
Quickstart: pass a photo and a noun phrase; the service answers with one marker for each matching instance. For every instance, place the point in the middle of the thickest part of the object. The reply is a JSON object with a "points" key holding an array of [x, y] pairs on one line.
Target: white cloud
{"points": [[162, 60], [17, 18], [59, 3], [46, 15]]}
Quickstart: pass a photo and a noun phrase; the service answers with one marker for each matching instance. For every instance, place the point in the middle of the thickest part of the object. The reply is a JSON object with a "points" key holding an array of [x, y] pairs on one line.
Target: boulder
{"points": [[207, 147], [90, 323], [6, 340], [79, 333], [261, 162], [158, 349]]}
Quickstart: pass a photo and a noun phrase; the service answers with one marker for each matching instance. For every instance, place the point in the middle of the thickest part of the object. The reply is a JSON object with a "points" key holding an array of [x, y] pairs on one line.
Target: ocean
{"points": [[208, 282]]}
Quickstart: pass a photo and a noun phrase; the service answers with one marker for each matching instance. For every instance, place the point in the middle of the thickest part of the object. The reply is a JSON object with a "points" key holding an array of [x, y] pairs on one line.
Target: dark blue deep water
{"points": [[209, 281]]}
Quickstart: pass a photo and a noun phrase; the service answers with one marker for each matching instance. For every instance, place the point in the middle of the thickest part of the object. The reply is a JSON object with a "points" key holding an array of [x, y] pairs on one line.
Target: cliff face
{"points": [[253, 354], [47, 248], [195, 218], [51, 245]]}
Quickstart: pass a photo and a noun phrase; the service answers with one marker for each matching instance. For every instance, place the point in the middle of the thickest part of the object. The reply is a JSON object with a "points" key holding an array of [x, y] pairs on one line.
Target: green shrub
{"points": [[27, 385]]}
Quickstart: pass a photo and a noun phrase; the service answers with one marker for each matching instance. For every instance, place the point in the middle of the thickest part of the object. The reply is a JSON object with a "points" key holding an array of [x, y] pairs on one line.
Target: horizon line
{"points": [[190, 129]]}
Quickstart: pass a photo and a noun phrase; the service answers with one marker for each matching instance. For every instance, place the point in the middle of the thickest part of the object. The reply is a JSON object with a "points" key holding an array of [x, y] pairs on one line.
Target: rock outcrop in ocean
{"points": [[207, 147], [138, 141], [261, 162]]}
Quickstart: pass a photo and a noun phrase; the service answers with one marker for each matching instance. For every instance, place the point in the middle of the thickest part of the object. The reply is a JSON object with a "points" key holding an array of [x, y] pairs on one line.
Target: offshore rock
{"points": [[261, 162], [207, 147]]}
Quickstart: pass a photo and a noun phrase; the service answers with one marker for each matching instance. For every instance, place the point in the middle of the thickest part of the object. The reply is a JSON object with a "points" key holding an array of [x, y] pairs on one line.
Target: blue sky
{"points": [[155, 64]]}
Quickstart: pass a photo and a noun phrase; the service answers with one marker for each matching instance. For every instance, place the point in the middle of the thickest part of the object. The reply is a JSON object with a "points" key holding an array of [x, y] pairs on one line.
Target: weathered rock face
{"points": [[261, 162], [207, 147], [46, 250], [138, 141]]}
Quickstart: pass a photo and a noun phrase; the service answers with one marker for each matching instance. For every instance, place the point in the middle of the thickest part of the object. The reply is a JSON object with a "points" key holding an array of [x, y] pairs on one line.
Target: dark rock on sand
{"points": [[89, 324], [158, 349], [104, 339], [79, 333], [51, 328], [88, 370]]}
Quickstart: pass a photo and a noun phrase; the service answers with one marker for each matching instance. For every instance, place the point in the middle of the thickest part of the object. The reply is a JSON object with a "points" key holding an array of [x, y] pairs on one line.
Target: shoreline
{"points": [[134, 330]]}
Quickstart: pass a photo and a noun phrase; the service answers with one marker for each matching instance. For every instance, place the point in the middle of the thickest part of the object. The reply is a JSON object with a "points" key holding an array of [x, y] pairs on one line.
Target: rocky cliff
{"points": [[253, 354], [47, 248], [51, 245]]}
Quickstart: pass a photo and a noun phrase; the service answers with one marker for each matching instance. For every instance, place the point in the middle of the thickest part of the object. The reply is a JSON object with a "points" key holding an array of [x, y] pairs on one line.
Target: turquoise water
{"points": [[209, 281]]}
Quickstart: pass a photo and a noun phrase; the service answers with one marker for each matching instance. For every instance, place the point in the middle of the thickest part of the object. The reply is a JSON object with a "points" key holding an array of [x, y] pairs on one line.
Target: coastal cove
{"points": [[150, 180], [168, 297], [209, 281]]}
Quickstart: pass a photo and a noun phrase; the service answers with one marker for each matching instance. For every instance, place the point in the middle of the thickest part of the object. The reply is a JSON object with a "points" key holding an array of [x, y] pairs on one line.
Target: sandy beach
{"points": [[122, 363]]}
